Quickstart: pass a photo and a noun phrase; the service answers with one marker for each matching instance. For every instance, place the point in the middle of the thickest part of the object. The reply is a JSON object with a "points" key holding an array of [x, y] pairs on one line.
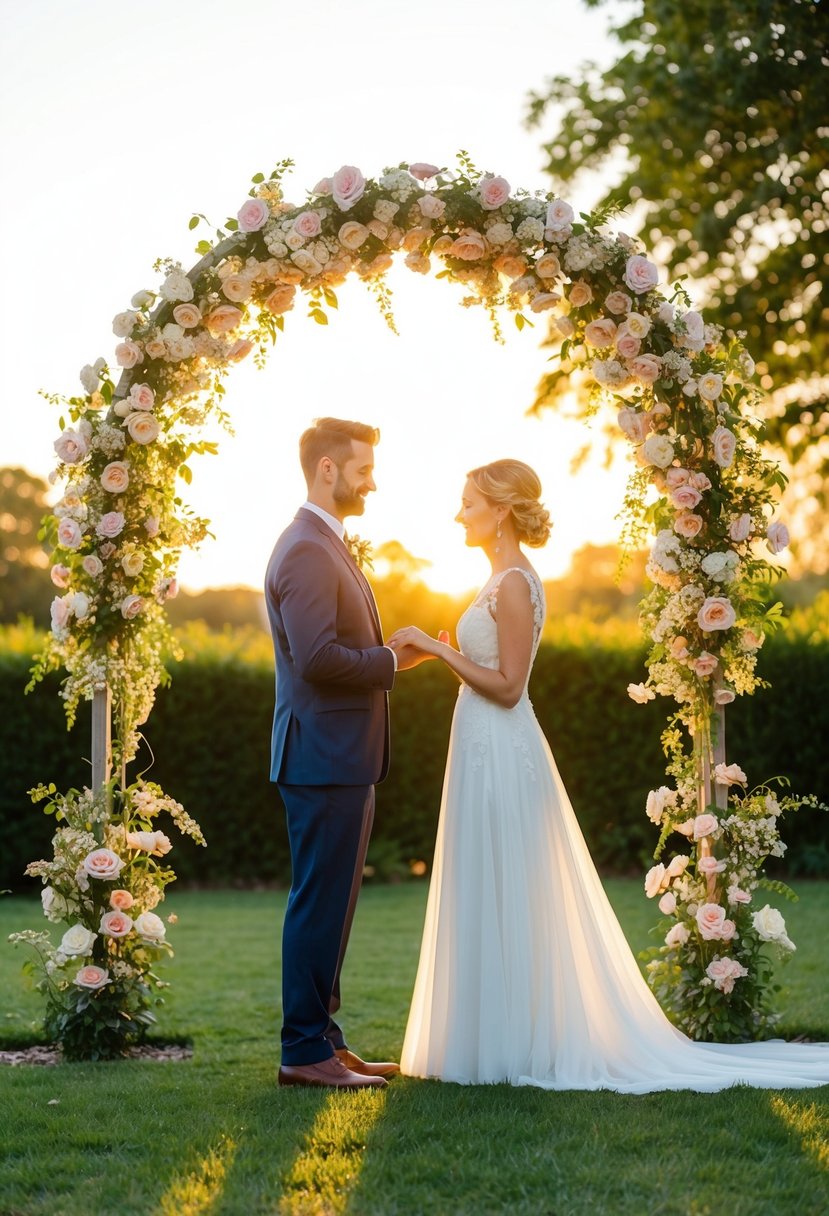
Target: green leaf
{"points": [[203, 247], [319, 316], [232, 225], [194, 222], [185, 473], [257, 178]]}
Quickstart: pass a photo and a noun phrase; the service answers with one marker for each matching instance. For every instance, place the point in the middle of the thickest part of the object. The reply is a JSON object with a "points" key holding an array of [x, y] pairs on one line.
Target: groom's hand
{"points": [[410, 656]]}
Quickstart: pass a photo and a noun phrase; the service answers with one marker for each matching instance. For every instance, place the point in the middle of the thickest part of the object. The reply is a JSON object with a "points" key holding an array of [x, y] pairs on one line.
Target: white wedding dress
{"points": [[525, 975]]}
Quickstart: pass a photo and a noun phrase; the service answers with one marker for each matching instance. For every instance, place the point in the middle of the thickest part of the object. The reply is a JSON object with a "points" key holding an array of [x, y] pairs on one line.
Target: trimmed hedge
{"points": [[210, 735]]}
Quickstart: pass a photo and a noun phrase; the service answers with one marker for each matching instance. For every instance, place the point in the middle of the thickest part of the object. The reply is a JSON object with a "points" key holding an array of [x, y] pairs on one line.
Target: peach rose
{"points": [[667, 904], [618, 303], [511, 265], [422, 170], [143, 428], [493, 192], [705, 664], [777, 537], [415, 238], [640, 274], [640, 693], [686, 497], [679, 648], [655, 880], [347, 187], [677, 477], [716, 613], [223, 319], [646, 368], [678, 865], [240, 349], [700, 482], [627, 345], [155, 348], [469, 246], [253, 214], [308, 224], [92, 977], [131, 606], [353, 235], [115, 924], [723, 696], [729, 774], [544, 300], [115, 477], [687, 525], [600, 333], [128, 354], [60, 576], [710, 919], [442, 245], [187, 316], [237, 287], [155, 843], [677, 936], [580, 293], [141, 397], [281, 298], [548, 266], [752, 640], [121, 899], [110, 525], [705, 825], [710, 865], [723, 445], [103, 864], [635, 424]]}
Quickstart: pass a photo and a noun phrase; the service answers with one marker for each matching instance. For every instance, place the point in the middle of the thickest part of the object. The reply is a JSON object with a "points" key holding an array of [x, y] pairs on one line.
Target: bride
{"points": [[525, 975]]}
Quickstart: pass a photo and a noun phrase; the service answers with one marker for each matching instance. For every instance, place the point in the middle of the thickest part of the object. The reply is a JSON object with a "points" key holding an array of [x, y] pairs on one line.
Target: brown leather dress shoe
{"points": [[332, 1074], [366, 1068]]}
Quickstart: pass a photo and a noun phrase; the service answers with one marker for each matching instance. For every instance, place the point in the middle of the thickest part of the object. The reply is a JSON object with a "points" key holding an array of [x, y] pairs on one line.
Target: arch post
{"points": [[101, 737]]}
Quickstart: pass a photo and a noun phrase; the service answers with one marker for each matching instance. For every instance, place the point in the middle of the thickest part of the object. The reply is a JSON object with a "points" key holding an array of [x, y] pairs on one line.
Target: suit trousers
{"points": [[328, 830]]}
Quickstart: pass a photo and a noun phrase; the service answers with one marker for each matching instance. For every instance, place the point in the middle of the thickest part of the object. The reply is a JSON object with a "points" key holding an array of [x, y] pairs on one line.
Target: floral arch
{"points": [[685, 401]]}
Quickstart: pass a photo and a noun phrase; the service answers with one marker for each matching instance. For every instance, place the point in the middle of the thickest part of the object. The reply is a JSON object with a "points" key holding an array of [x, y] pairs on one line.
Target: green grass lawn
{"points": [[215, 1135]]}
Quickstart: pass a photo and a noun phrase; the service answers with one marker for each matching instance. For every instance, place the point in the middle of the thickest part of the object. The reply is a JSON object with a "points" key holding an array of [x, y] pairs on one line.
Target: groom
{"points": [[329, 746]]}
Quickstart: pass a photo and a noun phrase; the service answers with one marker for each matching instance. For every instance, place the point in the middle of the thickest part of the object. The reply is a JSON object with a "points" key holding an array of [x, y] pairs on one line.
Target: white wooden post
{"points": [[101, 738]]}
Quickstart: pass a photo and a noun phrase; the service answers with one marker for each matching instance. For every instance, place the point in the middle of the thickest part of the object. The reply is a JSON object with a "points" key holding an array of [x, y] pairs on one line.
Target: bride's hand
{"points": [[412, 637]]}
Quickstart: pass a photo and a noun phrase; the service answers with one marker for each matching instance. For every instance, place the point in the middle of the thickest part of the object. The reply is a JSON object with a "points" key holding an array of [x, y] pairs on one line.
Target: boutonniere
{"points": [[360, 550]]}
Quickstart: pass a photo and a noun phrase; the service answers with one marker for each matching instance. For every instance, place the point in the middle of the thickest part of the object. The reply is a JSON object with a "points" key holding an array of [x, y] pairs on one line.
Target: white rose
{"points": [[777, 535], [658, 451], [80, 605], [123, 323], [142, 299], [143, 428], [177, 286], [640, 693], [150, 927], [155, 843], [560, 216], [89, 378], [77, 941], [771, 927]]}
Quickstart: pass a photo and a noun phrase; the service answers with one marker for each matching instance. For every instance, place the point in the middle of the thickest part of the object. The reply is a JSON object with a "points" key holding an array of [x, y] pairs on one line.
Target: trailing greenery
{"points": [[215, 1135], [208, 743]]}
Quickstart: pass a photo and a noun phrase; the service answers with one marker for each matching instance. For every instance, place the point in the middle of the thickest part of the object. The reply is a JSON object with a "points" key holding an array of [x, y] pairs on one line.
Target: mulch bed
{"points": [[44, 1054]]}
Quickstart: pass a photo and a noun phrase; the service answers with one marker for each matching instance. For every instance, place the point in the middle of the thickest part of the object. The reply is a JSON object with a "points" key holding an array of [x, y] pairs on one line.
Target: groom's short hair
{"points": [[332, 437]]}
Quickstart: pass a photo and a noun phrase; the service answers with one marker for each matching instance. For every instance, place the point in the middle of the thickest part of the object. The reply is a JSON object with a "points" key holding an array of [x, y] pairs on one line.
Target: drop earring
{"points": [[498, 536]]}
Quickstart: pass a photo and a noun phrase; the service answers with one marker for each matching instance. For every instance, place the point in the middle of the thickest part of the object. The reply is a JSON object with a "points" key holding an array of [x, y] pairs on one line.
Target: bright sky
{"points": [[120, 120]]}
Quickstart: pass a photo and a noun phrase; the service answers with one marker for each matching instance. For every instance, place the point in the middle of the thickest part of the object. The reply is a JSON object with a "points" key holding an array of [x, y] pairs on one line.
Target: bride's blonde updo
{"points": [[513, 484]]}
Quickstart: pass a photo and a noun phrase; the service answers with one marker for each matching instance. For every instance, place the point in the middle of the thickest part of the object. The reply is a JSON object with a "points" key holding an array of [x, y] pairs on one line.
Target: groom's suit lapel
{"points": [[339, 549]]}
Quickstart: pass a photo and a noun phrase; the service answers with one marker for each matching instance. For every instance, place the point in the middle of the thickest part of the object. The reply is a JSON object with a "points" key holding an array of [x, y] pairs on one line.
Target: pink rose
{"points": [[131, 606], [777, 537], [677, 936], [655, 880], [728, 930], [600, 333], [716, 613], [723, 972], [678, 865], [107, 549], [60, 611], [752, 640], [723, 445], [740, 528], [69, 533], [115, 924], [710, 919], [723, 696], [705, 664], [128, 354], [308, 224], [560, 216], [580, 293], [71, 447], [469, 246], [121, 899], [710, 865], [347, 187], [142, 397], [115, 477], [640, 274], [431, 208], [679, 648], [152, 526], [103, 864], [323, 186], [686, 497], [223, 319], [91, 977], [240, 349], [110, 525], [687, 525], [627, 345], [143, 428], [60, 575], [253, 214], [186, 315], [281, 298], [645, 368], [422, 170], [737, 896], [493, 192], [667, 904], [729, 774], [154, 843], [618, 303], [635, 424], [705, 825]]}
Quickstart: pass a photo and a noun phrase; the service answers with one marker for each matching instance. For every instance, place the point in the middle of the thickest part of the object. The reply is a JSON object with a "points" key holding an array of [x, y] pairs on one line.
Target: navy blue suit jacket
{"points": [[333, 674]]}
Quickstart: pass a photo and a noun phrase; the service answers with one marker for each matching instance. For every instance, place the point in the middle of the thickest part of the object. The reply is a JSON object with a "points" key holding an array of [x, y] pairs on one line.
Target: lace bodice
{"points": [[478, 627]]}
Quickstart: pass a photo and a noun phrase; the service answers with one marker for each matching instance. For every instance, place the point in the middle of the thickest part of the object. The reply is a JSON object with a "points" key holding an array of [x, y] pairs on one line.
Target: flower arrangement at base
{"points": [[104, 883], [713, 973]]}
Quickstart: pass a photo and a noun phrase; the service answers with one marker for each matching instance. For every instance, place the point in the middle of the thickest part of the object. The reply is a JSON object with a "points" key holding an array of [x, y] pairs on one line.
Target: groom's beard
{"points": [[347, 497]]}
